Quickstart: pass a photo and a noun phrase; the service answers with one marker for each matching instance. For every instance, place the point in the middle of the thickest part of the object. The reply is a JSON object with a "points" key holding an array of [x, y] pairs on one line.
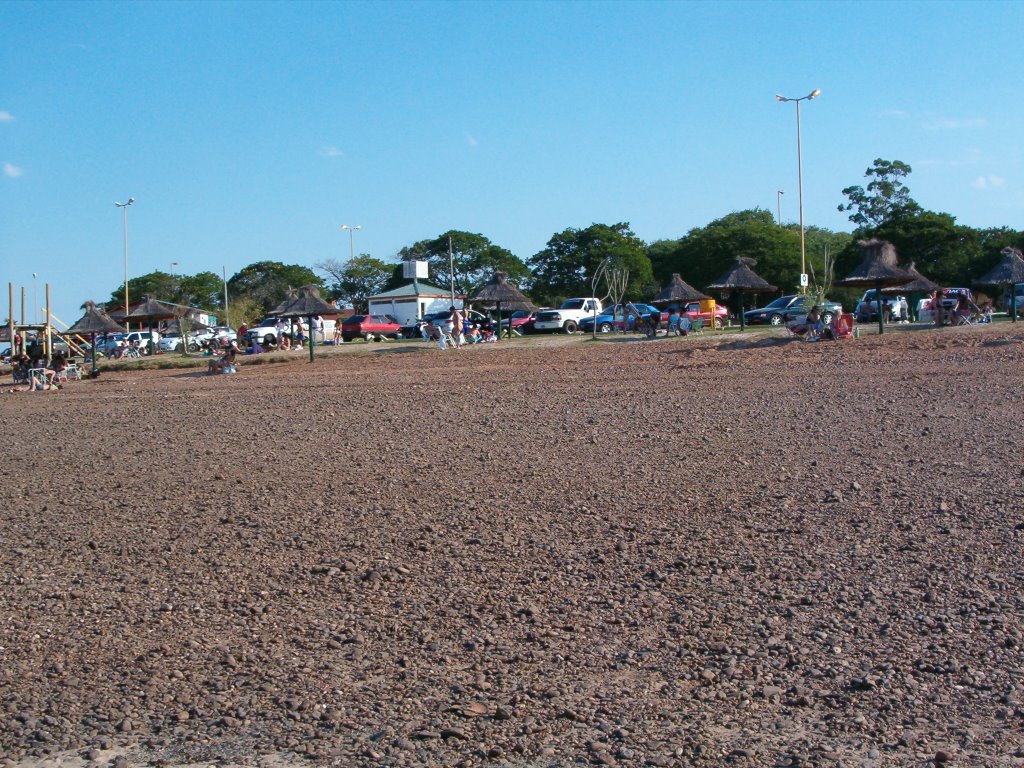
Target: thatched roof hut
{"points": [[94, 321], [742, 279], [678, 291], [290, 295], [499, 293], [920, 283], [1009, 270], [151, 310], [307, 303], [878, 269]]}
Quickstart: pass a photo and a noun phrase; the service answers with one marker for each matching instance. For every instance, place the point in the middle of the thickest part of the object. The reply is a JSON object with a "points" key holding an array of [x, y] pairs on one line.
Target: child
{"points": [[987, 312]]}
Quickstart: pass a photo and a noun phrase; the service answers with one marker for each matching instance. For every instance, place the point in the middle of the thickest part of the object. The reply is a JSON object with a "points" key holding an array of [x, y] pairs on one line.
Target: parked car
{"points": [[613, 318], [414, 330], [786, 308], [265, 331], [718, 321], [521, 320], [171, 342], [370, 327], [866, 310]]}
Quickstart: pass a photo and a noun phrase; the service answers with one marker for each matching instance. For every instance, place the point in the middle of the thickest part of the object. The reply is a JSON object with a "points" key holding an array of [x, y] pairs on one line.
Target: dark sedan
{"points": [[786, 308]]}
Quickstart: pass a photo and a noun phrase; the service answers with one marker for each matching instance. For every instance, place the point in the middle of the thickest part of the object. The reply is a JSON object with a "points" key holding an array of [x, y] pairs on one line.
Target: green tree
{"points": [[159, 285], [564, 268], [267, 281], [204, 290], [357, 279], [474, 258], [886, 195]]}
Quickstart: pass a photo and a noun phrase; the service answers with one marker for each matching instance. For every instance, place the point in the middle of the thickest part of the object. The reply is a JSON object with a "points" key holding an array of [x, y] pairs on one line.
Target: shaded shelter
{"points": [[308, 304], [742, 279], [498, 292], [919, 285], [93, 322], [174, 326], [1008, 272], [678, 291], [878, 269], [151, 311]]}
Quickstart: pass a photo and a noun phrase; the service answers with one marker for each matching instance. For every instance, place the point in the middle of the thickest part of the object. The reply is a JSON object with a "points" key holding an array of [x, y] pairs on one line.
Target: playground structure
{"points": [[44, 331]]}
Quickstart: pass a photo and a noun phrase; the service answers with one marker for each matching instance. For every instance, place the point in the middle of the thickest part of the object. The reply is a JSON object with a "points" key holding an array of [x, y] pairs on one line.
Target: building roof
{"points": [[741, 278], [421, 289], [878, 267], [1010, 269]]}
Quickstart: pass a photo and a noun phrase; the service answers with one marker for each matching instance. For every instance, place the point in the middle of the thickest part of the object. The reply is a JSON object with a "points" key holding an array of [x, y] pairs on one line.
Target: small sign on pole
{"points": [[803, 280]]}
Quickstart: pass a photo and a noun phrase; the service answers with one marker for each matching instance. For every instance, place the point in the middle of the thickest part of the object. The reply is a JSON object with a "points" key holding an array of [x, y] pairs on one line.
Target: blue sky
{"points": [[252, 131]]}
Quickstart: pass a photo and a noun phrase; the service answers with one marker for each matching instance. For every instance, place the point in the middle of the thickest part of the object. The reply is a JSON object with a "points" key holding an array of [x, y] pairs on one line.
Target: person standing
{"points": [[455, 326]]}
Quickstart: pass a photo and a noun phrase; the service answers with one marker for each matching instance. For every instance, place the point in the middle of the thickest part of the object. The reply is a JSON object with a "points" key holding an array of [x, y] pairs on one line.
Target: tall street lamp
{"points": [[124, 210], [351, 240], [778, 205], [800, 181]]}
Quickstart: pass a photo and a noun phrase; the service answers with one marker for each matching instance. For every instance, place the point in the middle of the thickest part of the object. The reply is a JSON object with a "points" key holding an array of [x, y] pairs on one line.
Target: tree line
{"points": [[948, 253]]}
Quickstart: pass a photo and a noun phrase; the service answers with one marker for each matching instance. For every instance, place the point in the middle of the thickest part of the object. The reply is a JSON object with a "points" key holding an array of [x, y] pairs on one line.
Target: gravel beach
{"points": [[717, 550]]}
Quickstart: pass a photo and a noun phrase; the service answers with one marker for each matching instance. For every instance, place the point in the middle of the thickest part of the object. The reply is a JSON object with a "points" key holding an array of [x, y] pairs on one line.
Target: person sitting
{"points": [[474, 336], [284, 342], [987, 312], [673, 321], [223, 364], [814, 323], [685, 324], [653, 319]]}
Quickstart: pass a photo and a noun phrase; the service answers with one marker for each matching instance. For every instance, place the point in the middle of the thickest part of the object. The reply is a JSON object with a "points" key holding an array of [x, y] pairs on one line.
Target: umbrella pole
{"points": [[499, 324], [1013, 302], [311, 341], [94, 355], [881, 310], [743, 320]]}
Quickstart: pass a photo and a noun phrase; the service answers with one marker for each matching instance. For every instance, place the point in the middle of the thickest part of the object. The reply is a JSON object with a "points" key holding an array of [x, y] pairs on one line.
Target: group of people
{"points": [[453, 328], [48, 375], [949, 308]]}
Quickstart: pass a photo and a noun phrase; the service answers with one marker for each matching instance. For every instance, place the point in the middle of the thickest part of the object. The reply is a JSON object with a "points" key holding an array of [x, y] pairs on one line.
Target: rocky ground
{"points": [[685, 552]]}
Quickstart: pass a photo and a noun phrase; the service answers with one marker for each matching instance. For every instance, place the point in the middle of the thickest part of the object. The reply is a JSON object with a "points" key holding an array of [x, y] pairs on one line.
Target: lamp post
{"points": [[778, 205], [124, 210], [800, 182], [351, 240]]}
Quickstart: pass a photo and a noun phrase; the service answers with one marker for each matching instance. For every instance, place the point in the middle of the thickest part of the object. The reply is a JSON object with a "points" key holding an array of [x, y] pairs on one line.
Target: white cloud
{"points": [[984, 182], [5, 117], [471, 140], [12, 171], [947, 124], [331, 152]]}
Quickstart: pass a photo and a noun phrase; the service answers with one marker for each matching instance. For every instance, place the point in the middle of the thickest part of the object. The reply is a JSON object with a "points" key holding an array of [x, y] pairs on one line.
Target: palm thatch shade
{"points": [[175, 326], [678, 290], [1008, 271], [920, 284], [289, 296], [877, 269], [742, 279], [308, 303], [151, 310], [498, 292], [94, 321]]}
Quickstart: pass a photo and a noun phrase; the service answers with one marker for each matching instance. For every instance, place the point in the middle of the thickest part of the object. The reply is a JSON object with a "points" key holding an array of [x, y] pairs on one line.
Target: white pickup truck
{"points": [[568, 316], [896, 307]]}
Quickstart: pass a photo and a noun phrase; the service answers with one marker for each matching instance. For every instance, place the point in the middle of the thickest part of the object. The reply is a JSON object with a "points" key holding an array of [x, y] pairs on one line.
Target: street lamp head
{"points": [[125, 205], [780, 98], [814, 94]]}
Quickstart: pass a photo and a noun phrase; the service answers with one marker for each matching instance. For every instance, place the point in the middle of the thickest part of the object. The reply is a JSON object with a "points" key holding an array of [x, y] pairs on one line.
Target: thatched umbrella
{"points": [[877, 269], [93, 322], [308, 304], [151, 311], [499, 291], [920, 284], [290, 296], [742, 279], [1009, 271], [678, 291]]}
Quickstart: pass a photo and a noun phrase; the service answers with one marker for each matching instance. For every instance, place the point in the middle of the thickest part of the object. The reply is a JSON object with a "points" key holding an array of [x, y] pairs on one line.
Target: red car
{"points": [[370, 327], [693, 312]]}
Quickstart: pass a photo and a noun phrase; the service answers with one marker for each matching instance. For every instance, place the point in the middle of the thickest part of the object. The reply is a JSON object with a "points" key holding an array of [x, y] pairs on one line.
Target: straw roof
{"points": [[150, 309], [877, 267], [94, 321], [742, 278], [677, 290], [1009, 270], [175, 326], [920, 284], [289, 296], [498, 290], [308, 303]]}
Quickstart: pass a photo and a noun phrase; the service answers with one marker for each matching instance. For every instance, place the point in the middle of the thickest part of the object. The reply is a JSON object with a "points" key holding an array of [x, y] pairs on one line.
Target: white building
{"points": [[407, 303]]}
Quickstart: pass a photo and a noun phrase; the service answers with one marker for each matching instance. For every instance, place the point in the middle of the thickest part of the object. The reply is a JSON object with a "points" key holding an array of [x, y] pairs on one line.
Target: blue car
{"points": [[606, 321]]}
